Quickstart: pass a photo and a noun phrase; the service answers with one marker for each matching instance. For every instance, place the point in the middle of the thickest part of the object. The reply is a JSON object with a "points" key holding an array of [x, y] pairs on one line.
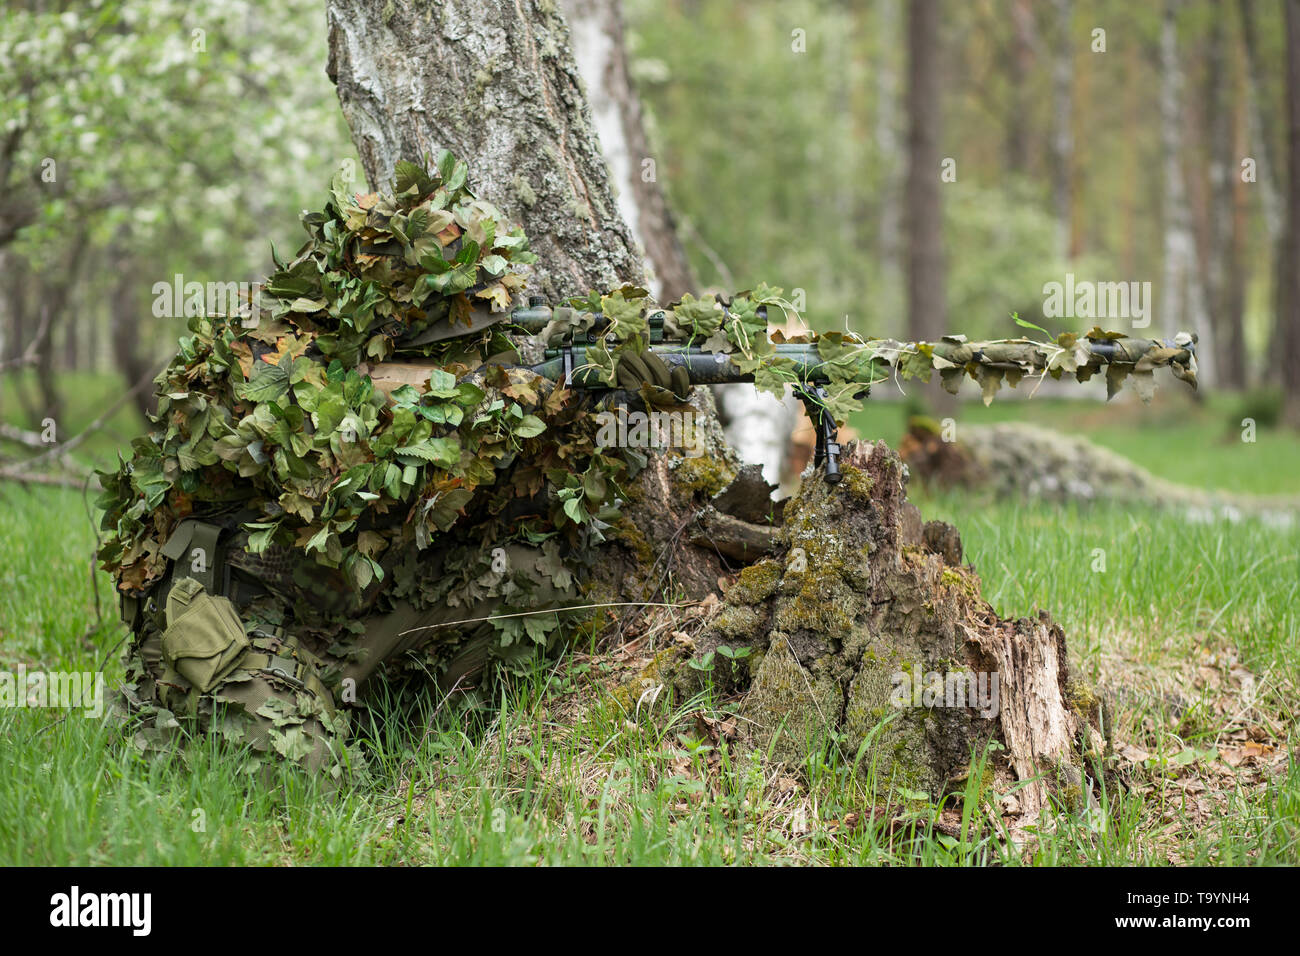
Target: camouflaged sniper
{"points": [[302, 517]]}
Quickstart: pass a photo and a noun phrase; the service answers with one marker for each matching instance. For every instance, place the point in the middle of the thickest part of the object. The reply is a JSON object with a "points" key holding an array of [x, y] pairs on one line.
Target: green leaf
{"points": [[269, 383], [573, 508], [443, 452], [1029, 325], [529, 427]]}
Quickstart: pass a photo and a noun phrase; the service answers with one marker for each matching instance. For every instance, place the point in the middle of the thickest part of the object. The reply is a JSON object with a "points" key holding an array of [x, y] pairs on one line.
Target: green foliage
{"points": [[273, 414], [151, 112], [788, 159]]}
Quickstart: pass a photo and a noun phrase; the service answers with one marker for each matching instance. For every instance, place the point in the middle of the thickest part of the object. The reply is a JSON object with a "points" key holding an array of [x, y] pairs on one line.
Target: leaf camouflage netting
{"points": [[276, 419]]}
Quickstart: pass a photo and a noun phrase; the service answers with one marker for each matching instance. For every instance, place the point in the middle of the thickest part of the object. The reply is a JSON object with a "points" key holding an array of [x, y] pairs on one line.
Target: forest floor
{"points": [[1192, 629]]}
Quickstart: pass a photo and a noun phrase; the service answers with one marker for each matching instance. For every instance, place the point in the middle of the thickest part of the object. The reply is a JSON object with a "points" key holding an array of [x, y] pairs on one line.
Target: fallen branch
{"points": [[22, 471], [22, 436], [31, 355], [42, 478]]}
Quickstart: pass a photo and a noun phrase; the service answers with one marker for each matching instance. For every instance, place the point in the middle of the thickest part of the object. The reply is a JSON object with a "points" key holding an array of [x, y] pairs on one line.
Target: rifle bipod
{"points": [[828, 445]]}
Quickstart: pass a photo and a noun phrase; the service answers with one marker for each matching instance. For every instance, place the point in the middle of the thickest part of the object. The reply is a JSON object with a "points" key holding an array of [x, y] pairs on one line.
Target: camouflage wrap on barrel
{"points": [[727, 340]]}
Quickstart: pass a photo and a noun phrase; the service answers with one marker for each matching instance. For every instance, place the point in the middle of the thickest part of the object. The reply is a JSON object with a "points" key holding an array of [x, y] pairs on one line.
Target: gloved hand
{"points": [[649, 375]]}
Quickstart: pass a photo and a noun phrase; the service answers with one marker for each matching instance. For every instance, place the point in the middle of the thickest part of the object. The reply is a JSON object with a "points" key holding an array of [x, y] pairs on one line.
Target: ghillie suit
{"points": [[286, 530], [368, 472]]}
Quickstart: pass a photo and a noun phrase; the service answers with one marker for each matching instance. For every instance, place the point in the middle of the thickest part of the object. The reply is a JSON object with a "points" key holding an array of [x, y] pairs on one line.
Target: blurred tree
{"points": [[1223, 270], [596, 27], [927, 305], [1289, 322], [890, 156], [1063, 127], [1180, 291], [1265, 153]]}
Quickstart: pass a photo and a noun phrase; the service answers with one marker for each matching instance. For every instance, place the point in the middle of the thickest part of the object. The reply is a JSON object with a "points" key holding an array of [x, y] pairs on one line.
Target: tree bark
{"points": [[495, 83]]}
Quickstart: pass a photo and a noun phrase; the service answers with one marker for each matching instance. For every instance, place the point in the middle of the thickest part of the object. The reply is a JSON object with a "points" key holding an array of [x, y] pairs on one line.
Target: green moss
{"points": [[827, 593], [737, 621], [658, 671], [814, 609], [755, 583], [634, 538], [705, 474], [856, 481], [1080, 698], [897, 753], [960, 580], [792, 712]]}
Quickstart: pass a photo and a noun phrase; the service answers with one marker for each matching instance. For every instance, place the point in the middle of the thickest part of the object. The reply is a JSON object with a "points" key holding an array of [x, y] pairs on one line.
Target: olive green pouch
{"points": [[204, 637]]}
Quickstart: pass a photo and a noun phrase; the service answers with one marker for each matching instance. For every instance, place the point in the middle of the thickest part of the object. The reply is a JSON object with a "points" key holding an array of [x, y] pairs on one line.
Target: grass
{"points": [[1194, 629], [1198, 444]]}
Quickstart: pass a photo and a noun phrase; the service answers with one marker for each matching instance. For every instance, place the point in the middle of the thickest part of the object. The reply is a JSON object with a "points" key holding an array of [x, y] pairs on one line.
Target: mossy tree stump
{"points": [[859, 602]]}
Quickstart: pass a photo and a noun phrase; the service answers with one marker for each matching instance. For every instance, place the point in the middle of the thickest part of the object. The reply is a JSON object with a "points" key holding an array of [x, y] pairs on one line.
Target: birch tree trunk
{"points": [[495, 83], [600, 50]]}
